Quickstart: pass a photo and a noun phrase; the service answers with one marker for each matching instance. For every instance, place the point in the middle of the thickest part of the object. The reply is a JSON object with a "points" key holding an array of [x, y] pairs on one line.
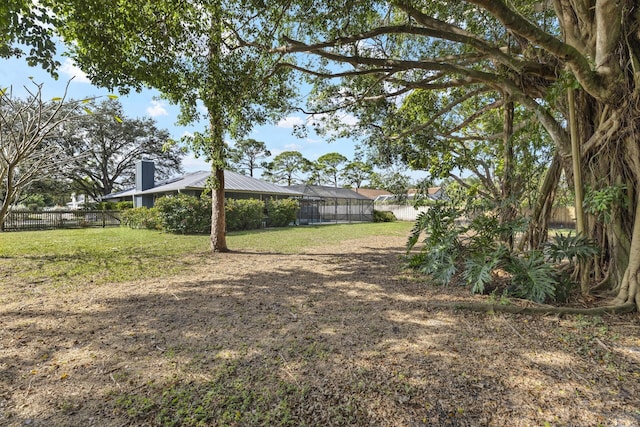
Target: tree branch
{"points": [[579, 64]]}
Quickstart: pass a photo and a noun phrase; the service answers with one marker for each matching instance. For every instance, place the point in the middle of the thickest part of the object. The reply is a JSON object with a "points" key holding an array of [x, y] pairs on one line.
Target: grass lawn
{"points": [[306, 326], [69, 258]]}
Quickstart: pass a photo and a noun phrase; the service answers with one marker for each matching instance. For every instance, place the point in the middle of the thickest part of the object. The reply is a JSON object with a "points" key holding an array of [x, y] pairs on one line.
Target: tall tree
{"points": [[287, 168], [52, 189], [103, 148], [527, 51], [246, 154], [27, 147], [195, 55], [393, 181], [329, 166], [356, 173]]}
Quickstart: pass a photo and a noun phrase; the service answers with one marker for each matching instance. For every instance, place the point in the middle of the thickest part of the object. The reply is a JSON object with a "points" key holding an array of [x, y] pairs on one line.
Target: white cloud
{"points": [[293, 147], [288, 147], [157, 109], [71, 70], [191, 164], [290, 122]]}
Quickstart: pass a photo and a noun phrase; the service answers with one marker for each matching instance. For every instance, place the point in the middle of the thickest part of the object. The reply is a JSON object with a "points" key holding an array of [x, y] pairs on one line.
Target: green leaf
{"points": [[117, 119], [112, 96]]}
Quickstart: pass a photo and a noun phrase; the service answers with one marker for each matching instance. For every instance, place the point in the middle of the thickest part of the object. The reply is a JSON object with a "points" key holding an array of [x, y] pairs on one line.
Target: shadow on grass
{"points": [[310, 339]]}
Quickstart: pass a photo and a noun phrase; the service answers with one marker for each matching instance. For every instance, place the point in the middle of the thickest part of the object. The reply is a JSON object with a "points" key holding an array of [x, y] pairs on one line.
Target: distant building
{"points": [[318, 204], [372, 193], [79, 201], [236, 186]]}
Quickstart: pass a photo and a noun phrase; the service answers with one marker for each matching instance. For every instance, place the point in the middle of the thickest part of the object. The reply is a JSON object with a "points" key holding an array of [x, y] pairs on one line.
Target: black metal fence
{"points": [[48, 220]]}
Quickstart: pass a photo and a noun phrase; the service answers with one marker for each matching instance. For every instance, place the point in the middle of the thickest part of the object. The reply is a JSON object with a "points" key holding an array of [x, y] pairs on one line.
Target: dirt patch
{"points": [[334, 336]]}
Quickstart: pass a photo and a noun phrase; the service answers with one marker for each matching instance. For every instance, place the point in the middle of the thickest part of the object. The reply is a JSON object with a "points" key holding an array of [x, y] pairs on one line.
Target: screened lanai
{"points": [[322, 205]]}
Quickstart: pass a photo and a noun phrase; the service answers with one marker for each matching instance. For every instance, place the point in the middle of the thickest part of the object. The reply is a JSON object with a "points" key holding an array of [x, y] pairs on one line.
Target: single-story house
{"points": [[372, 193], [321, 204], [236, 186]]}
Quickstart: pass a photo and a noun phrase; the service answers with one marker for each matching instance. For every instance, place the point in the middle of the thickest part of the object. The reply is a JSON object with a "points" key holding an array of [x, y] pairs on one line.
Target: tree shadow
{"points": [[317, 338]]}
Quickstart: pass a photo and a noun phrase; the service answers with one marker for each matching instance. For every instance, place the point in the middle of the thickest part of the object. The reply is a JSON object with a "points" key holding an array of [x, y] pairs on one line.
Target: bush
{"points": [[124, 205], [184, 214], [383, 216], [148, 218], [282, 212], [244, 214], [106, 206], [477, 253], [34, 202]]}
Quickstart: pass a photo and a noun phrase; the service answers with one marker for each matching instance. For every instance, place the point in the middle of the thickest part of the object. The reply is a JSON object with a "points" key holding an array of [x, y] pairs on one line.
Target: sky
{"points": [[278, 137]]}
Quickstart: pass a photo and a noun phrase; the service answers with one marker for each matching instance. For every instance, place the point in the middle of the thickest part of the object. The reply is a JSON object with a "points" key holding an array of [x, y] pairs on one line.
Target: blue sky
{"points": [[278, 136]]}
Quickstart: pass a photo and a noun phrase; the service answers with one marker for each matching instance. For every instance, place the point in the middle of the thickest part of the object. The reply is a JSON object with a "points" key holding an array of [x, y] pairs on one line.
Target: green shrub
{"points": [[477, 253], [114, 206], [148, 218], [383, 216], [124, 205], [532, 277], [244, 214], [184, 214], [34, 202], [106, 206], [282, 212]]}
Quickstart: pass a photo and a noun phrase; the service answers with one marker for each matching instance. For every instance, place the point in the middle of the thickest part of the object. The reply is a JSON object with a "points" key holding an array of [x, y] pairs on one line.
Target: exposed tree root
{"points": [[497, 308]]}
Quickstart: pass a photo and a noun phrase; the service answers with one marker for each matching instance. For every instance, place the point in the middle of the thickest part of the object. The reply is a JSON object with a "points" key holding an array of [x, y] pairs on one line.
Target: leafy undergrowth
{"points": [[337, 335]]}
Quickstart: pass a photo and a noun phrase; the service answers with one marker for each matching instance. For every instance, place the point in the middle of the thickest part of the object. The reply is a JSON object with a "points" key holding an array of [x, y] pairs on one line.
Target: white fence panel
{"points": [[402, 212]]}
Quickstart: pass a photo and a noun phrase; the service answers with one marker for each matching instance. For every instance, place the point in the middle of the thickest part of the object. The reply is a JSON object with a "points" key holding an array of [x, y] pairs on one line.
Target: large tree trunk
{"points": [[629, 290], [218, 238], [629, 286], [218, 221]]}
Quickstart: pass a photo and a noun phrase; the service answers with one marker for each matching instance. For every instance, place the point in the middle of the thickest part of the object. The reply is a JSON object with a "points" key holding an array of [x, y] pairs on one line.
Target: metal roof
{"points": [[190, 181], [120, 194], [323, 192], [233, 182]]}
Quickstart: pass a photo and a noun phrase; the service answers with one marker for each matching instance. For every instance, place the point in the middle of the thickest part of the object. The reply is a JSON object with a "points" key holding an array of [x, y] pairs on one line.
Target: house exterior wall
{"points": [[145, 179]]}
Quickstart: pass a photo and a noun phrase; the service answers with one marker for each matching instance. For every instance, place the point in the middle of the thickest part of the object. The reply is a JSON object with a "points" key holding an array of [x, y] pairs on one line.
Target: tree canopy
{"points": [[28, 24], [329, 166], [195, 55], [246, 154], [425, 78], [287, 168], [103, 148]]}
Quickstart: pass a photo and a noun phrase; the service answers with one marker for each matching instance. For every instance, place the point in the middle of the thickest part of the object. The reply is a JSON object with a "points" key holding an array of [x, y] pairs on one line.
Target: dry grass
{"points": [[337, 335]]}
